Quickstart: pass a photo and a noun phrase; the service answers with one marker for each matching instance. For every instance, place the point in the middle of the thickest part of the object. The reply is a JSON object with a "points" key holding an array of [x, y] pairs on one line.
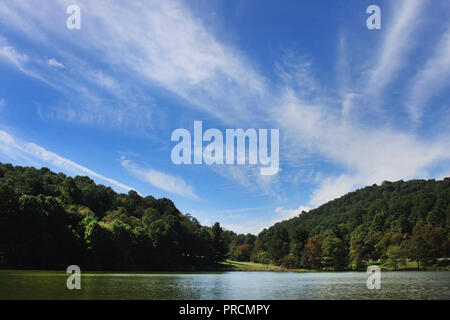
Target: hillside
{"points": [[390, 224], [50, 220]]}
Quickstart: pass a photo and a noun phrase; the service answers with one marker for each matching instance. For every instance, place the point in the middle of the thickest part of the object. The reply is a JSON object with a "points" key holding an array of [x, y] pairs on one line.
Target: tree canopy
{"points": [[50, 220], [389, 223]]}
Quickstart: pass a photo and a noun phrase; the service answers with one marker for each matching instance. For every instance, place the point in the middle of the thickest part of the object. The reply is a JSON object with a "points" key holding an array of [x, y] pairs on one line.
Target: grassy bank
{"points": [[412, 266], [252, 266]]}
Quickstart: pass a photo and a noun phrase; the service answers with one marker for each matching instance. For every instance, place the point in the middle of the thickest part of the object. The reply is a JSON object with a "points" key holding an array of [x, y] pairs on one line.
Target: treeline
{"points": [[388, 224], [50, 220]]}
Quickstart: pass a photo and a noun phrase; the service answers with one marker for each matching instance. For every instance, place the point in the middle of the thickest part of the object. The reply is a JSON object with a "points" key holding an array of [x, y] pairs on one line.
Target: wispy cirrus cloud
{"points": [[366, 152], [20, 60], [114, 108], [365, 155], [397, 44], [55, 63], [172, 184], [103, 80], [257, 224], [249, 177], [431, 79], [164, 46], [9, 53], [13, 148], [285, 214], [193, 64]]}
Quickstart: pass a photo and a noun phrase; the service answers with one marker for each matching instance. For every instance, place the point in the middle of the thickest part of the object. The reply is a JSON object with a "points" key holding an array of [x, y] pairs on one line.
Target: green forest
{"points": [[391, 224], [51, 220]]}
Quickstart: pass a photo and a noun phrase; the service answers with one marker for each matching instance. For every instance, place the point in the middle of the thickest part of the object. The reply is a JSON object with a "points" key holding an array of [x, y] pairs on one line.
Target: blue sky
{"points": [[354, 106]]}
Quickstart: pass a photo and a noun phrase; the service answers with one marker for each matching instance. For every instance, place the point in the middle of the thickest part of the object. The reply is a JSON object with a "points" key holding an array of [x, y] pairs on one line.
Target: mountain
{"points": [[390, 224], [50, 220]]}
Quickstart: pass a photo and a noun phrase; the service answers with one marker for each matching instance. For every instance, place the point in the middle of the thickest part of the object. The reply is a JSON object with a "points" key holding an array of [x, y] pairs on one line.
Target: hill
{"points": [[50, 220], [387, 224]]}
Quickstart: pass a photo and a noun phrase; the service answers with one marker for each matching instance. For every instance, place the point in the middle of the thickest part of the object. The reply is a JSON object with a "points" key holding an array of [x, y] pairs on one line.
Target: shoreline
{"points": [[229, 266], [243, 266]]}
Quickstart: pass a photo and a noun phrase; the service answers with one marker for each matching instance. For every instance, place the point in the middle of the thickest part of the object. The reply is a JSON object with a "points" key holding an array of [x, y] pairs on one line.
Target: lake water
{"points": [[224, 285]]}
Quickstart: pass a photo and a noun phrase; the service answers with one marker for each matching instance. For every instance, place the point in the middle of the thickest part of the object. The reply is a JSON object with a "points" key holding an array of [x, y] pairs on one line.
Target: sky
{"points": [[354, 106]]}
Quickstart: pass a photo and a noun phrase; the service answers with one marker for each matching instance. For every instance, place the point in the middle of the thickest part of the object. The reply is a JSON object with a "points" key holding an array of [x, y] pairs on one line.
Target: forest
{"points": [[390, 224], [51, 220]]}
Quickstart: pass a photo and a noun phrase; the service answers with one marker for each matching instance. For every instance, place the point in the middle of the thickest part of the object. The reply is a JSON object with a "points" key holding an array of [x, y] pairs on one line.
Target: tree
{"points": [[314, 251], [435, 238], [98, 240], [437, 217], [395, 256], [278, 246], [242, 252], [356, 217], [8, 201], [358, 247], [48, 220], [204, 247], [122, 240], [333, 252], [416, 248], [218, 245], [299, 239]]}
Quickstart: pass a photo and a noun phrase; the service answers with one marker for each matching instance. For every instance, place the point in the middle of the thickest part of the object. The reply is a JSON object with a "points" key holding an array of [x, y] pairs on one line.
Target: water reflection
{"points": [[224, 285]]}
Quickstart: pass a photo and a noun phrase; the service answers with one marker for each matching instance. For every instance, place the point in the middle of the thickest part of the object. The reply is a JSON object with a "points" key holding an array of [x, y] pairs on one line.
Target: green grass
{"points": [[412, 266], [252, 266], [408, 265]]}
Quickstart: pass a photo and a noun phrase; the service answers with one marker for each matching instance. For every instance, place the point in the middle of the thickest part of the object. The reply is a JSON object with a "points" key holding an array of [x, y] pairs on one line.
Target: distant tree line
{"points": [[387, 224], [50, 220]]}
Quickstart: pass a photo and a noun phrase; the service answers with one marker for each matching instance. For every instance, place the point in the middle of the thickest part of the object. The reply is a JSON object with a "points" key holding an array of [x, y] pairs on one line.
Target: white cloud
{"points": [[256, 226], [19, 60], [10, 54], [85, 105], [251, 226], [432, 78], [163, 43], [103, 80], [365, 154], [249, 177], [15, 149], [334, 187], [373, 156], [159, 41], [397, 43], [163, 181], [347, 104], [54, 63], [444, 175], [285, 214]]}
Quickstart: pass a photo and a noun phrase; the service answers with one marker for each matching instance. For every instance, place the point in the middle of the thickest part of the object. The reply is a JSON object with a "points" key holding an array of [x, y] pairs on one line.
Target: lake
{"points": [[224, 285]]}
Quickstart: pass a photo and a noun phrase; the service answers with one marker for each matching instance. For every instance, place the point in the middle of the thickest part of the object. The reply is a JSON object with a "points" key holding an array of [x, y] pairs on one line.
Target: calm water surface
{"points": [[224, 285]]}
